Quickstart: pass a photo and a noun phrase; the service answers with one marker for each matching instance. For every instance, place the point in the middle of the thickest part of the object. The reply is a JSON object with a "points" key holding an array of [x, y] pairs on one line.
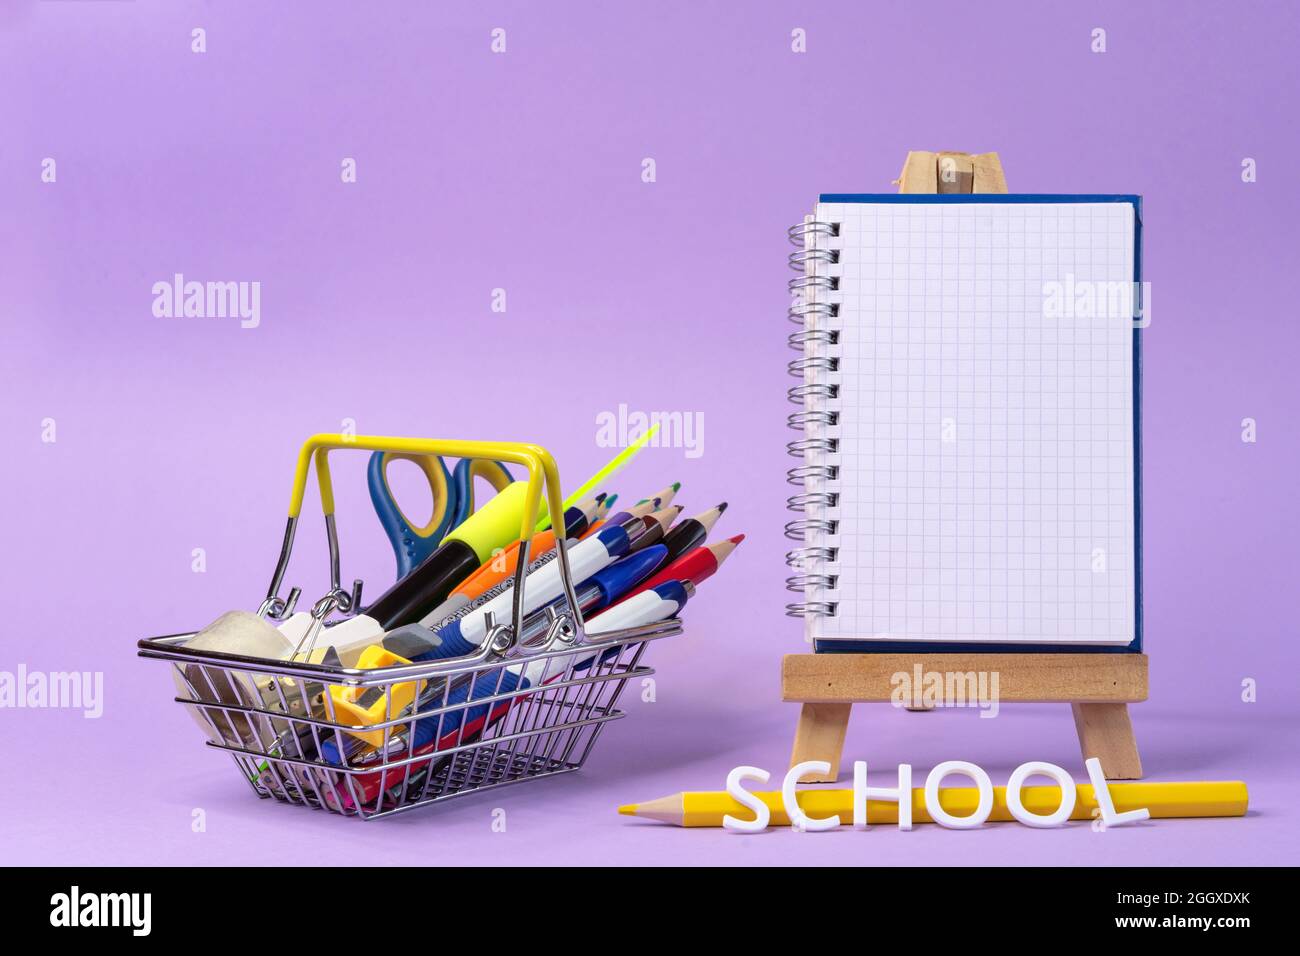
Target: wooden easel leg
{"points": [[1105, 732], [820, 736]]}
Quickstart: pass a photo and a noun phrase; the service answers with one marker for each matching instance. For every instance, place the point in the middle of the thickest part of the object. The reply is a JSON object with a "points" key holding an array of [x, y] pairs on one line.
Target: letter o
{"points": [[1062, 779], [982, 783]]}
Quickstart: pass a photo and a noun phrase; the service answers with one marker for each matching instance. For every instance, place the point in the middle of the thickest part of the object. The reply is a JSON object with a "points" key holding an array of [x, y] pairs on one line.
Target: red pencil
{"points": [[695, 565]]}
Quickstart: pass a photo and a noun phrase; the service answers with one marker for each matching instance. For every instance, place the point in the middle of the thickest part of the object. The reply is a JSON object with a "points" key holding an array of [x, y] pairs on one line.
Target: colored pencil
{"points": [[1164, 800], [653, 527], [665, 497], [691, 532], [695, 565]]}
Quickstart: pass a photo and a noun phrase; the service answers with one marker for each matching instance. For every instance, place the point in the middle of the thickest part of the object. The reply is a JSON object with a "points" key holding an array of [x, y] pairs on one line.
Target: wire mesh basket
{"points": [[516, 709]]}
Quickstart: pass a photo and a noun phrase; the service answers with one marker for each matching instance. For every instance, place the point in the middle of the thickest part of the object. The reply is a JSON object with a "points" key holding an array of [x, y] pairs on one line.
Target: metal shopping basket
{"points": [[514, 710]]}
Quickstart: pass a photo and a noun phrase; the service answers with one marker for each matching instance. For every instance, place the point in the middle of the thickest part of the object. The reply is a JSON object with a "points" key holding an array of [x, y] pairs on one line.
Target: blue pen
{"points": [[417, 643], [595, 594], [465, 633]]}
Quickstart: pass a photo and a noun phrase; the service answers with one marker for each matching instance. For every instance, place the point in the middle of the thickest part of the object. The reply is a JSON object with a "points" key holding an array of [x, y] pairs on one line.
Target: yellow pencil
{"points": [[706, 809]]}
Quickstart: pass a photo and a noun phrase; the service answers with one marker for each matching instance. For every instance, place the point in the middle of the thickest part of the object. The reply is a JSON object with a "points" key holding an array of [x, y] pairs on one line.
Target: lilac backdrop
{"points": [[522, 171]]}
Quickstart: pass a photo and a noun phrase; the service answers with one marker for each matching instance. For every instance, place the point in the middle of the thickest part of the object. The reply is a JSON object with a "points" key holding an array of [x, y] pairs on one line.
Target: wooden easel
{"points": [[1098, 687]]}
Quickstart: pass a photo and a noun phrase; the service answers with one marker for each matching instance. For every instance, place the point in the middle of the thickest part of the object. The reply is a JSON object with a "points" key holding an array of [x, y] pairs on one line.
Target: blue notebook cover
{"points": [[859, 647]]}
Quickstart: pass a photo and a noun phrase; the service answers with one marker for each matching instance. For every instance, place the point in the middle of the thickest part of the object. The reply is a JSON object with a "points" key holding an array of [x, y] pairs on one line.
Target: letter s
{"points": [[735, 787]]}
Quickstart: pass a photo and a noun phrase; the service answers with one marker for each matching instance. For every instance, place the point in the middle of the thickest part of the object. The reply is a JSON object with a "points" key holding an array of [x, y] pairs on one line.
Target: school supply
{"points": [[533, 732], [469, 628], [416, 642], [691, 532], [453, 502], [460, 554], [665, 497], [469, 545], [652, 607], [460, 607], [371, 705], [599, 478], [602, 509], [696, 565], [500, 567], [595, 593], [1164, 800], [238, 633], [653, 527], [639, 510], [968, 419], [599, 519]]}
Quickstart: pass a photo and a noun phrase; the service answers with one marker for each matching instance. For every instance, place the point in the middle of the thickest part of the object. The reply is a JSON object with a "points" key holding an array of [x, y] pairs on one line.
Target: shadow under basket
{"points": [[293, 732]]}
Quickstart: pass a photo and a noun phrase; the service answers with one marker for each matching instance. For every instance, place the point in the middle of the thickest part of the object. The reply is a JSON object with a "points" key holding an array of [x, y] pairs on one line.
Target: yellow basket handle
{"points": [[543, 474]]}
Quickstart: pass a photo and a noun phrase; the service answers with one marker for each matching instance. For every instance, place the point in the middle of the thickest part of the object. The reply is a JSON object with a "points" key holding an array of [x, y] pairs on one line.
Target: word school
{"points": [[902, 795]]}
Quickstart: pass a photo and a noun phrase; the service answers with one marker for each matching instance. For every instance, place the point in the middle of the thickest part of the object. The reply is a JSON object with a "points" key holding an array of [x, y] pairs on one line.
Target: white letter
{"points": [[1102, 792], [92, 695], [735, 787], [902, 795], [942, 816], [1017, 806], [252, 314], [60, 910], [142, 914], [162, 300], [798, 818]]}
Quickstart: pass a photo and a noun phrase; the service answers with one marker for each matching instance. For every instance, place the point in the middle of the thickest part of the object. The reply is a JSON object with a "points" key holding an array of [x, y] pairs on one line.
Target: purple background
{"points": [[522, 171]]}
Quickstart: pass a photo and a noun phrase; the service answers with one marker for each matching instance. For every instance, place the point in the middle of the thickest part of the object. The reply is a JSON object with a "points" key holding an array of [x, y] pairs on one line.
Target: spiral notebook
{"points": [[969, 414]]}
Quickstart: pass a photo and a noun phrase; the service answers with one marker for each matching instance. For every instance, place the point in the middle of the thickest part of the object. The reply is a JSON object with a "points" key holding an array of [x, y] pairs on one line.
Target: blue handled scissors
{"points": [[453, 501]]}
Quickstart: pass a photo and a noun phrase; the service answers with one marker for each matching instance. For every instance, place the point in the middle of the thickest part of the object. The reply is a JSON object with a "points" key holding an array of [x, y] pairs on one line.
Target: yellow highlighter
{"points": [[370, 705], [461, 553], [599, 478]]}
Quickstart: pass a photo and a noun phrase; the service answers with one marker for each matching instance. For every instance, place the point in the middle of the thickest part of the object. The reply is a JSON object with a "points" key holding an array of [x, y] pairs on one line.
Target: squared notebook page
{"points": [[986, 487]]}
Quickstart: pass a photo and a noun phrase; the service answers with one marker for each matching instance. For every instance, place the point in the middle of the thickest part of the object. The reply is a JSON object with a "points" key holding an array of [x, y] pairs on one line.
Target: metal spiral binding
{"points": [[797, 393], [797, 530], [800, 420], [797, 340], [801, 447], [816, 338], [797, 476]]}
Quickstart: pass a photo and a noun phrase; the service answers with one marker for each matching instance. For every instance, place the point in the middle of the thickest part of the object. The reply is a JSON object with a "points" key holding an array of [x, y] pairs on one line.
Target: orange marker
{"points": [[500, 566]]}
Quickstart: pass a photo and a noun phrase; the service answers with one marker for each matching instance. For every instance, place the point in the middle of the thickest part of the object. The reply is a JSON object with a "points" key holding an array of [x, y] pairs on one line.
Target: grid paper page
{"points": [[986, 434]]}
